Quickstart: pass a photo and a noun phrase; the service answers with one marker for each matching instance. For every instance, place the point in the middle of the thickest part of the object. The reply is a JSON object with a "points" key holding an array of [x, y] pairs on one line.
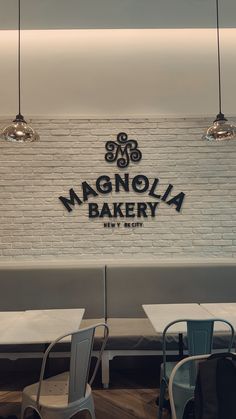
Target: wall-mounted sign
{"points": [[122, 153]]}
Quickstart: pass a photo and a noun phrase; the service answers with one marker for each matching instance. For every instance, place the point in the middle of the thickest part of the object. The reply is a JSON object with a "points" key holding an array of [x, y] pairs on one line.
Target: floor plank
{"points": [[132, 394], [109, 404], [125, 403]]}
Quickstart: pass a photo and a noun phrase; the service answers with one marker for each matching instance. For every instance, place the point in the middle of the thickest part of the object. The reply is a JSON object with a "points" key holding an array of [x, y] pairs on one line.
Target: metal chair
{"points": [[62, 396], [177, 403], [199, 337]]}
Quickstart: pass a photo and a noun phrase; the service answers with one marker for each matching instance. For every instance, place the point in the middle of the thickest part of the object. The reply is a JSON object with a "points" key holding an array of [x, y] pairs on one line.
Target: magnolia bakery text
{"points": [[139, 184]]}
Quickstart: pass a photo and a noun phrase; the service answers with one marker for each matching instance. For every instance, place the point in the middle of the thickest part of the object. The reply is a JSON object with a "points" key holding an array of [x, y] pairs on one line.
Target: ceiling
{"points": [[117, 14], [167, 68]]}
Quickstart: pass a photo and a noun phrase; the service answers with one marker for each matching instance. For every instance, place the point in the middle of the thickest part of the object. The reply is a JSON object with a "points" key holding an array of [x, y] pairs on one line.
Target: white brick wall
{"points": [[34, 223]]}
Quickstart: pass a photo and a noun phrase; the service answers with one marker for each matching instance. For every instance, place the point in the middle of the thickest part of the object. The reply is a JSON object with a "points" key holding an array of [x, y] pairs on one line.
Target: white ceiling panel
{"points": [[118, 72]]}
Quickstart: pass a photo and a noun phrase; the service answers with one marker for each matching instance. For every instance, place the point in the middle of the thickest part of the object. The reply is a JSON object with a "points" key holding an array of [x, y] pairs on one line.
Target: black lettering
{"points": [[88, 190], [141, 210], [124, 183], [153, 207], [167, 192], [105, 211], [177, 200], [129, 208], [117, 212], [103, 184], [137, 183], [152, 190], [70, 201], [93, 210]]}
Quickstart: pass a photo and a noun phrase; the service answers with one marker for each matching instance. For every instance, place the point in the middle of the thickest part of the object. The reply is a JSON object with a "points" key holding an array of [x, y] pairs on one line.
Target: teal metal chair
{"points": [[177, 403], [199, 338], [64, 395]]}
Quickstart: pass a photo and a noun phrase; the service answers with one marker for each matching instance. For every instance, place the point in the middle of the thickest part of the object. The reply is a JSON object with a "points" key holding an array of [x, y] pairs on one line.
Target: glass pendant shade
{"points": [[221, 130], [19, 131]]}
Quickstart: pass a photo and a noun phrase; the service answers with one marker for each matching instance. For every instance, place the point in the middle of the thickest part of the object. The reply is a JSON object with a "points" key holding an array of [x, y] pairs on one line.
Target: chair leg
{"points": [[91, 408], [92, 414], [105, 369], [161, 398], [33, 413], [23, 410], [91, 411], [181, 408]]}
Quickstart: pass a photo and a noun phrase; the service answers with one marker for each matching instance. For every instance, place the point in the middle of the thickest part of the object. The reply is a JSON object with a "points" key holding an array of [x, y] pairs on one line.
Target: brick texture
{"points": [[34, 224]]}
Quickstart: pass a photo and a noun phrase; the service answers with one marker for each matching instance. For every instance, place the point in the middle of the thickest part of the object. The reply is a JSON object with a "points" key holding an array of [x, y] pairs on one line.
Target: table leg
{"points": [[181, 346]]}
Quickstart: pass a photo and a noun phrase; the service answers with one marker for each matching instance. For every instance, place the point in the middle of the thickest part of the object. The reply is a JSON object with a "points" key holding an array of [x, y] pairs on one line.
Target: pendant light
{"points": [[221, 129], [19, 131]]}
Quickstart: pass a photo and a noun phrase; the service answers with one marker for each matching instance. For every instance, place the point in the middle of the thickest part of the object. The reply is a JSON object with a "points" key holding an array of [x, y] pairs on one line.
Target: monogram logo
{"points": [[122, 151]]}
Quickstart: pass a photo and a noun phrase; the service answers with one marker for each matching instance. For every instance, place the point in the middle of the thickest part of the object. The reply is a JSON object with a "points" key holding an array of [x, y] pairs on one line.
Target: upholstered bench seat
{"points": [[35, 285], [132, 334], [130, 284], [138, 334], [115, 292]]}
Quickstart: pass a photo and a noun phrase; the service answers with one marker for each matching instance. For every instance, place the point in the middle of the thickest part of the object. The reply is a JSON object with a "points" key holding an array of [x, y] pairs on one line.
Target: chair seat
{"points": [[54, 391], [181, 377], [169, 367]]}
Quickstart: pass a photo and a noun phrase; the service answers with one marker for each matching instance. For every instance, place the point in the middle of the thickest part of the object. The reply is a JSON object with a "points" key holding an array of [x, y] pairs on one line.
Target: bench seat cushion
{"points": [[124, 334], [139, 334], [132, 334]]}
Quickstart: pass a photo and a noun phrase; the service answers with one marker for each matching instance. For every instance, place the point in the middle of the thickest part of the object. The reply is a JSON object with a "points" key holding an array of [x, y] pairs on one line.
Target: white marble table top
{"points": [[225, 311], [162, 314], [38, 326]]}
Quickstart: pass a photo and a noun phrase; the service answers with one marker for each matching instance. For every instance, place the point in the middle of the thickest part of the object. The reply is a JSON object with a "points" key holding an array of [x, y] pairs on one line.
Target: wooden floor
{"points": [[131, 395]]}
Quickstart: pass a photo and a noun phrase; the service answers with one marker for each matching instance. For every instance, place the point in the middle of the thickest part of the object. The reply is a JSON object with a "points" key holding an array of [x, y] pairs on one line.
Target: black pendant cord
{"points": [[218, 55], [19, 55], [19, 117]]}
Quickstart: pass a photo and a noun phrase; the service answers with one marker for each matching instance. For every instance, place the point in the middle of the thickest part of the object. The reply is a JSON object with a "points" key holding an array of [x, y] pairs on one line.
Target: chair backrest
{"points": [[81, 347], [81, 350], [199, 335], [192, 361]]}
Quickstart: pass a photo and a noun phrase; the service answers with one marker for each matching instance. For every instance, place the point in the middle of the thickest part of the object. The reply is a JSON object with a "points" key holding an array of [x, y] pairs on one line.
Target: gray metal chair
{"points": [[62, 396], [200, 337], [177, 394]]}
